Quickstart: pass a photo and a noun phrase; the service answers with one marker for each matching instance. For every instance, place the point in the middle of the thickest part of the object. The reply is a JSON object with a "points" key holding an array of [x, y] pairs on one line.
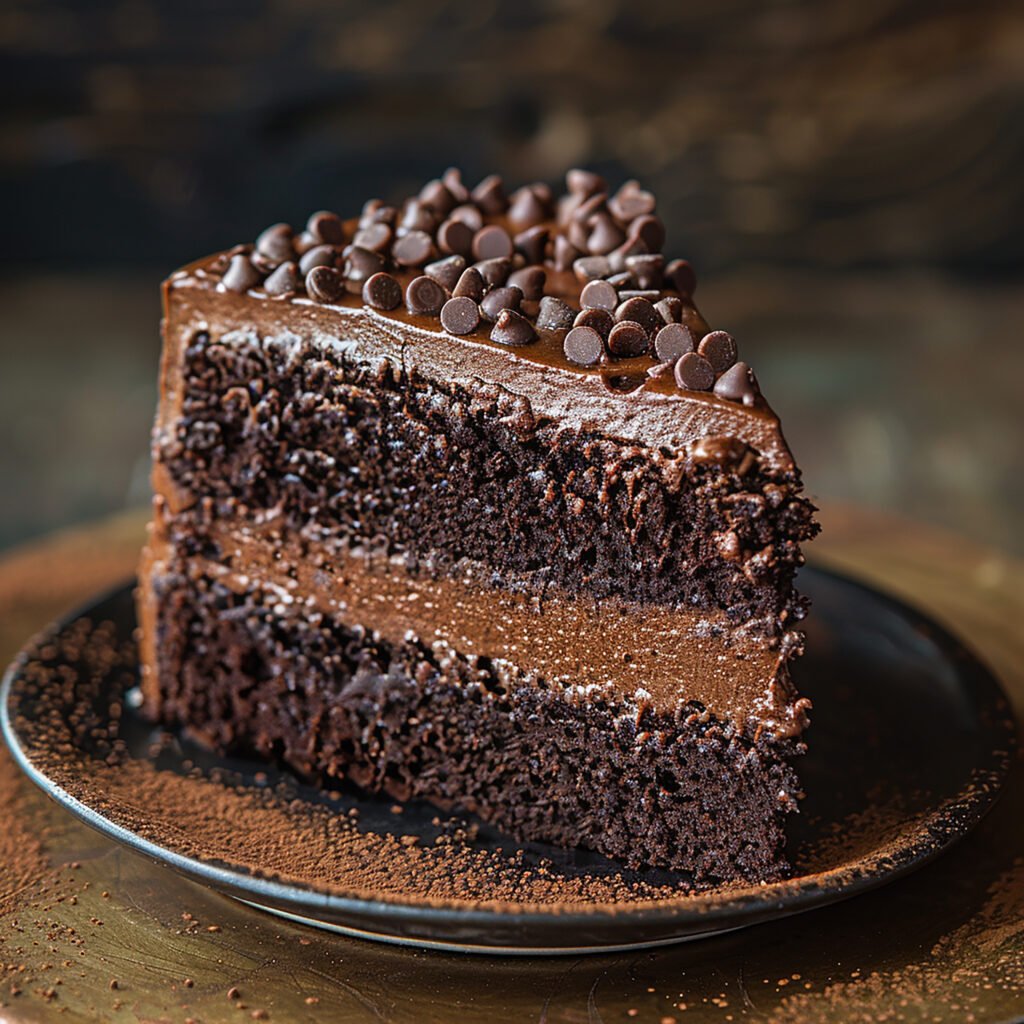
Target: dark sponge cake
{"points": [[465, 501]]}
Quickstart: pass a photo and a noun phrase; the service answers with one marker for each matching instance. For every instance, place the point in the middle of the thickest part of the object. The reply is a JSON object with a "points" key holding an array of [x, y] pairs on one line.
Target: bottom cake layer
{"points": [[573, 766]]}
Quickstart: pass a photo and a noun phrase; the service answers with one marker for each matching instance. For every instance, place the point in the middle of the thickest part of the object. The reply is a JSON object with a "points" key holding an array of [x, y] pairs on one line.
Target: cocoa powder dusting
{"points": [[276, 832], [284, 833], [79, 736], [967, 971], [34, 947], [22, 858]]}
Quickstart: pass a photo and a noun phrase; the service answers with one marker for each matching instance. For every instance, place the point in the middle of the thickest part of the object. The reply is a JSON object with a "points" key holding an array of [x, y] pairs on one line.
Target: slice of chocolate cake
{"points": [[466, 501]]}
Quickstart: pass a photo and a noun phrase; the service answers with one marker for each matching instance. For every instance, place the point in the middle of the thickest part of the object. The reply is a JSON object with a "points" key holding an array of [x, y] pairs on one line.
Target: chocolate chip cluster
{"points": [[587, 264]]}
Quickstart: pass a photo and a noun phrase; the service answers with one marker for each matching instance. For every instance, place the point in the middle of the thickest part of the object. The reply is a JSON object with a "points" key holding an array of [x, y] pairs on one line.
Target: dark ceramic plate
{"points": [[910, 743]]}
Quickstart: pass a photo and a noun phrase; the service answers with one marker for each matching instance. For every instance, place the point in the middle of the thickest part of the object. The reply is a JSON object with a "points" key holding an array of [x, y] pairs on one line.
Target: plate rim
{"points": [[744, 906]]}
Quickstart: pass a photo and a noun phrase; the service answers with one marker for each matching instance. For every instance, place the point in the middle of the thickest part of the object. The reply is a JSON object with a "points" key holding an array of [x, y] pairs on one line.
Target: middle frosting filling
{"points": [[661, 656]]}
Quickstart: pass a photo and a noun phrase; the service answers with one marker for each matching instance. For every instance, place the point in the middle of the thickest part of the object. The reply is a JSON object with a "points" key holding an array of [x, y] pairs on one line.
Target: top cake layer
{"points": [[569, 302]]}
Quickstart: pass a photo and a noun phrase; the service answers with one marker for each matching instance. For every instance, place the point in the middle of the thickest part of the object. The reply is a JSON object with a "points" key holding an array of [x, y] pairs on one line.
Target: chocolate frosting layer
{"points": [[660, 657], [627, 404], [587, 267]]}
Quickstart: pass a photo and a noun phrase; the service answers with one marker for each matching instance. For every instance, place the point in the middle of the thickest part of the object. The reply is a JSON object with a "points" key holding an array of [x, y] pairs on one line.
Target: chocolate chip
{"points": [[375, 211], [424, 296], [413, 249], [446, 272], [599, 319], [417, 216], [369, 210], [694, 373], [526, 210], [382, 291], [648, 269], [583, 346], [452, 179], [672, 342], [530, 281], [492, 242], [590, 268], [584, 183], [630, 202], [303, 243], [361, 264], [325, 284], [542, 190], [590, 207], [375, 237], [284, 280], [627, 338], [565, 253], [554, 314], [460, 315], [382, 214], [652, 295], [631, 247], [737, 384], [498, 299], [455, 236], [264, 264], [512, 329], [470, 285], [578, 235], [719, 349], [650, 231], [494, 272], [690, 316], [318, 256], [681, 276], [276, 242], [623, 279], [469, 215], [531, 243], [241, 275], [436, 195], [220, 262], [489, 195], [599, 295], [326, 227], [640, 311], [669, 309], [566, 206], [604, 236]]}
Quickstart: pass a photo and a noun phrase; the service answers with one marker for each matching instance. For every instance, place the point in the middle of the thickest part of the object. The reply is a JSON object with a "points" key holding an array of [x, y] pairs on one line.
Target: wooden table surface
{"points": [[94, 932]]}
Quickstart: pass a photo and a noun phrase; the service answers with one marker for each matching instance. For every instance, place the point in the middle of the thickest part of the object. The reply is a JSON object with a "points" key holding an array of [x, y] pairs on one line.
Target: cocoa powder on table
{"points": [[282, 832], [22, 858], [288, 833]]}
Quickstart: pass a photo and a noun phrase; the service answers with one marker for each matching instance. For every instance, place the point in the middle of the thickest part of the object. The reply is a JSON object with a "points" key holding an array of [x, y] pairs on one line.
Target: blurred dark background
{"points": [[847, 177]]}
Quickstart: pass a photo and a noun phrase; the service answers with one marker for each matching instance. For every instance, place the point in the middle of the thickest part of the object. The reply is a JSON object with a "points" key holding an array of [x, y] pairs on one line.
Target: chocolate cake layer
{"points": [[250, 672], [328, 436]]}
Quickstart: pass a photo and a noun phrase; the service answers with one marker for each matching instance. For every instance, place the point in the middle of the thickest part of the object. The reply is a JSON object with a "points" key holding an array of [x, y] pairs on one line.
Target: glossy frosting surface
{"points": [[654, 412]]}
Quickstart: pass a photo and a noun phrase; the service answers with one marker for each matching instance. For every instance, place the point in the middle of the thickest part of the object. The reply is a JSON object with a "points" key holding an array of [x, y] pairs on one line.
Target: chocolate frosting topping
{"points": [[539, 258], [628, 403]]}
